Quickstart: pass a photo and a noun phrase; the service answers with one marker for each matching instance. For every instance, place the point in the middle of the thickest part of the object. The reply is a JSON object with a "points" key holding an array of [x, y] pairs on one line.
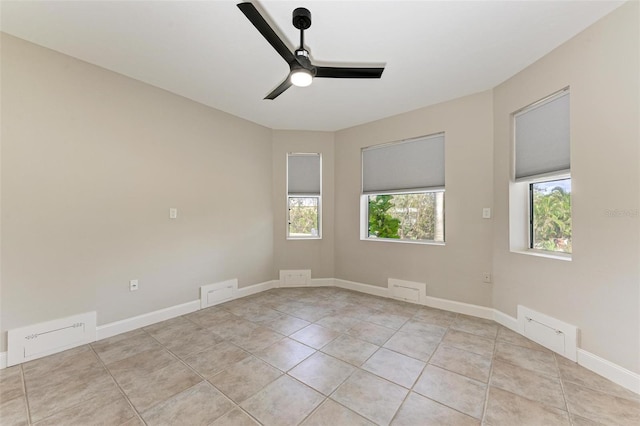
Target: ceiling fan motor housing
{"points": [[301, 18]]}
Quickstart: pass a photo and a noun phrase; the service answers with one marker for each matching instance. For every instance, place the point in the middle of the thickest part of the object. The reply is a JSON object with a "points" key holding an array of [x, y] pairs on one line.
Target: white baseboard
{"points": [[362, 288], [615, 373], [607, 369], [256, 288], [506, 320], [129, 324], [323, 282], [459, 307]]}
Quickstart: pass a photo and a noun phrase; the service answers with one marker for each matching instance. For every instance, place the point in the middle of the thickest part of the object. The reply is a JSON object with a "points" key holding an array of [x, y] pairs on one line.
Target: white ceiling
{"points": [[209, 52]]}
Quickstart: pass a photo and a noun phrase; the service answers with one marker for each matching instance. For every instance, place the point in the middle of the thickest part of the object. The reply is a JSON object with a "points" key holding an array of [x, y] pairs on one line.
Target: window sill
{"points": [[393, 240], [303, 238], [541, 253]]}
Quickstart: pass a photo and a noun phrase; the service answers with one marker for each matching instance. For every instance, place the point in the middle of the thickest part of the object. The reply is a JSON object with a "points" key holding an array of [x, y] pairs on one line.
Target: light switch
{"points": [[486, 213], [173, 213]]}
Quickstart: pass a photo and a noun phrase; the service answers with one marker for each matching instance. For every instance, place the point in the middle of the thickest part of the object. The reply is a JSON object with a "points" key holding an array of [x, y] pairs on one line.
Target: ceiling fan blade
{"points": [[267, 32], [340, 72], [279, 90]]}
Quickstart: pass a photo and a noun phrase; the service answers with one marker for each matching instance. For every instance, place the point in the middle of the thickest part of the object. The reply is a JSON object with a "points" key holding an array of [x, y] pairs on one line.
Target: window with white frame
{"points": [[304, 195], [543, 171], [403, 191]]}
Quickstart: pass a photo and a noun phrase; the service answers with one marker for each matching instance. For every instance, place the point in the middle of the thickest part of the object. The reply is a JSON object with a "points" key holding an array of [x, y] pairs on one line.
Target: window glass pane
{"points": [[551, 215], [303, 217], [416, 216]]}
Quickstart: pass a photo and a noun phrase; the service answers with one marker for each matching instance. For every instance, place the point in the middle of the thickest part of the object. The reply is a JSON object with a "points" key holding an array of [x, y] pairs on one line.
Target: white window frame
{"points": [[364, 218], [520, 208], [303, 195]]}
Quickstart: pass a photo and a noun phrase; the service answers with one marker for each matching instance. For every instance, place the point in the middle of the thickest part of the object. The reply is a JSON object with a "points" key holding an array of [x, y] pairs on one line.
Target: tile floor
{"points": [[313, 356]]}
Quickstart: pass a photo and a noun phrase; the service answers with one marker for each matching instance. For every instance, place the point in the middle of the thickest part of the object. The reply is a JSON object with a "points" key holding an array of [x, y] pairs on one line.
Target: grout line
{"points": [[486, 397], [117, 384], [26, 397], [564, 396]]}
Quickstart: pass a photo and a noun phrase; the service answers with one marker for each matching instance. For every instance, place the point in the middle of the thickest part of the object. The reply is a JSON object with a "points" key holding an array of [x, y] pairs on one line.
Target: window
{"points": [[304, 199], [543, 171], [403, 191], [550, 215]]}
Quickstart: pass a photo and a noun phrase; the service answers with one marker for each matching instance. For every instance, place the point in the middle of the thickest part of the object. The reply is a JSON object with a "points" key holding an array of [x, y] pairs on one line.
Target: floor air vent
{"points": [[38, 340], [550, 332]]}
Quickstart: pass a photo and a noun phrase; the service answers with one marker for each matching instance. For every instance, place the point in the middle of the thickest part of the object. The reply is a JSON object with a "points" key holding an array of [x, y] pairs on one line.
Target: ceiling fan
{"points": [[302, 71]]}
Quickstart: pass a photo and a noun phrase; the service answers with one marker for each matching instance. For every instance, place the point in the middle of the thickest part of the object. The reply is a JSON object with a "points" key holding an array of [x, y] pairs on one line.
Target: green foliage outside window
{"points": [[552, 216], [381, 223], [415, 216]]}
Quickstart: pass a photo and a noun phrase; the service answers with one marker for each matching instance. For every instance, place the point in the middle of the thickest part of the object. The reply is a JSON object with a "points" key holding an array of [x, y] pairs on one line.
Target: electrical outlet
{"points": [[486, 277], [133, 285]]}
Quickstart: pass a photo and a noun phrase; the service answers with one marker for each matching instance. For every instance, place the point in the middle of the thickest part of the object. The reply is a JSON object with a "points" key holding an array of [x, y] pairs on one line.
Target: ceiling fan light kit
{"points": [[301, 70]]}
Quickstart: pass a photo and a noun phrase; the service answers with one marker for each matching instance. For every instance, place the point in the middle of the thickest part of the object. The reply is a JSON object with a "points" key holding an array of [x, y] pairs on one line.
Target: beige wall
{"points": [[91, 163], [598, 291], [453, 271], [316, 255]]}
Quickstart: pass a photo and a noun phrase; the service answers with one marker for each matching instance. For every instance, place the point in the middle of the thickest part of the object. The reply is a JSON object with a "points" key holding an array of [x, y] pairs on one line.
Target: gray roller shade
{"points": [[415, 164], [542, 138], [303, 174]]}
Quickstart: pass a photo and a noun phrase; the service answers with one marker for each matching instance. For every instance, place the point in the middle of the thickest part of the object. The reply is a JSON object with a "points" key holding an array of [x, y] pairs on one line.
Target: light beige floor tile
{"points": [[394, 367], [370, 396], [418, 410], [435, 316], [258, 339], [157, 386], [422, 327], [574, 373], [581, 421], [453, 390], [268, 405], [141, 364], [45, 401], [370, 332], [83, 366], [209, 317], [245, 378], [538, 361], [506, 335], [11, 383], [601, 407], [169, 330], [356, 311], [233, 328], [469, 342], [330, 413], [285, 354], [478, 326], [53, 367], [462, 362], [350, 349], [322, 372], [505, 408], [544, 389], [123, 346], [215, 359], [388, 320], [14, 412], [313, 313], [315, 336], [338, 322], [96, 411], [235, 417], [198, 405], [415, 345], [286, 324]]}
